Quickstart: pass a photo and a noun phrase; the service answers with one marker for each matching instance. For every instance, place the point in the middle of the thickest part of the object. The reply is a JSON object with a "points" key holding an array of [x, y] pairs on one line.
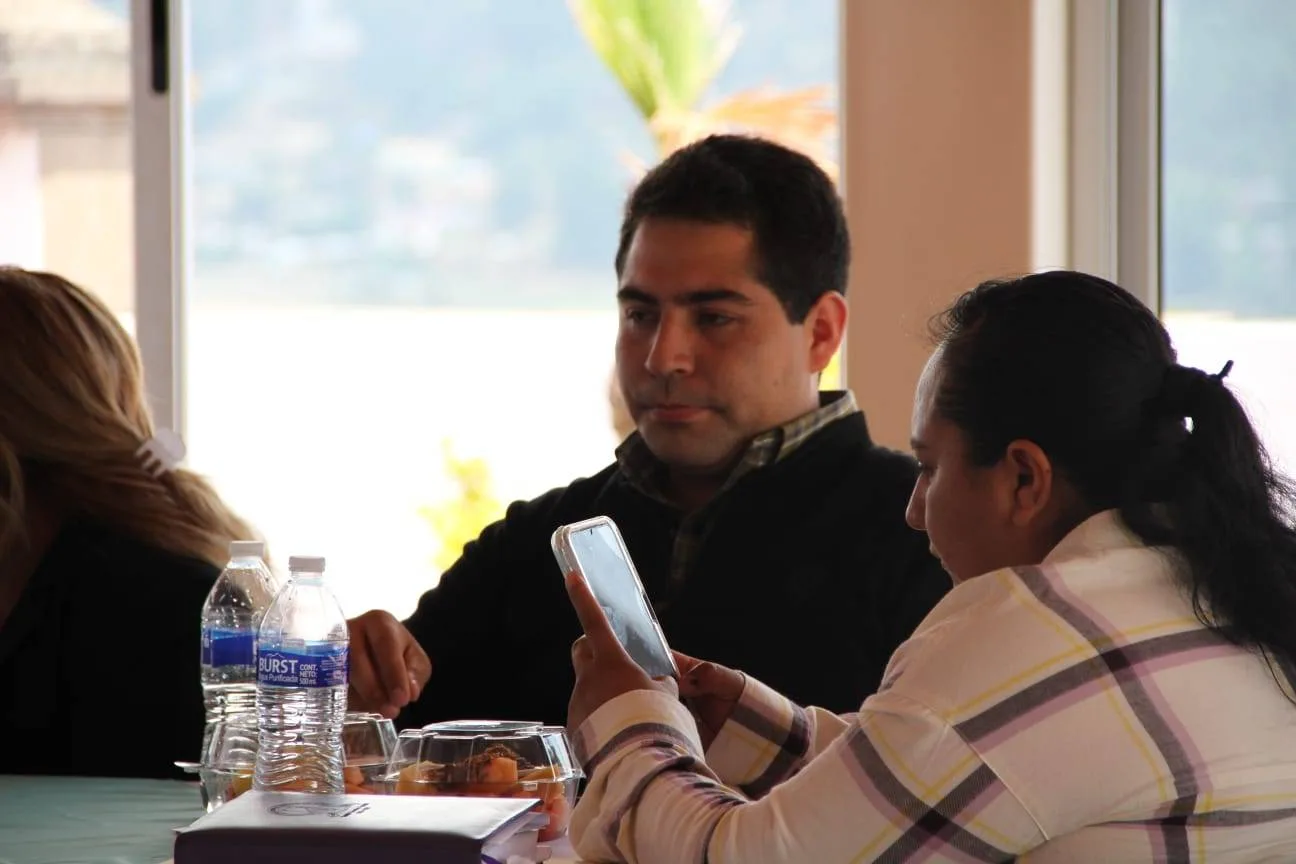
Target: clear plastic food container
{"points": [[489, 758], [368, 741]]}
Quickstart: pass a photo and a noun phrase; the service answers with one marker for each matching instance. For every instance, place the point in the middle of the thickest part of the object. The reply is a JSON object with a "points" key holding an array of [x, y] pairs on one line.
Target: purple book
{"points": [[290, 827]]}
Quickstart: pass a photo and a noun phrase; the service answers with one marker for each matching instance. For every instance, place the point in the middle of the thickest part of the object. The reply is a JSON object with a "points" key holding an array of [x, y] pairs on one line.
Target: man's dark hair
{"points": [[789, 204]]}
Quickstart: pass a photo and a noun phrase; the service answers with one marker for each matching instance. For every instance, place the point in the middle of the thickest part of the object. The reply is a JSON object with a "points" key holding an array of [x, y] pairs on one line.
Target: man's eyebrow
{"points": [[915, 444], [715, 295], [632, 294]]}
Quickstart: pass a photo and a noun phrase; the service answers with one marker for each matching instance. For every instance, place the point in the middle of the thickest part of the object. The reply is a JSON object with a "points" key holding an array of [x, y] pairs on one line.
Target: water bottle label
{"points": [[325, 667], [227, 647]]}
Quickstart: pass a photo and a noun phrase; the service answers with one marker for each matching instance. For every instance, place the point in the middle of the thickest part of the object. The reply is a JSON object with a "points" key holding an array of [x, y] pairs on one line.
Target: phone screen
{"points": [[612, 580]]}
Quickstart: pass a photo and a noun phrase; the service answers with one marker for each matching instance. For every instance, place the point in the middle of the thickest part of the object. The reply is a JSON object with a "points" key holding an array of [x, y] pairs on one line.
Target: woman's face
{"points": [[969, 512]]}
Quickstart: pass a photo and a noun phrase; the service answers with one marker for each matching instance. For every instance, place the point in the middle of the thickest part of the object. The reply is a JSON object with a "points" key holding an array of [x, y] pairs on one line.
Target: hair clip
{"points": [[1223, 373], [161, 453]]}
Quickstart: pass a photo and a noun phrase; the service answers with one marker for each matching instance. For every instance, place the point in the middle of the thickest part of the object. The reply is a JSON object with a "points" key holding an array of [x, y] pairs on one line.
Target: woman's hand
{"points": [[711, 691], [603, 668]]}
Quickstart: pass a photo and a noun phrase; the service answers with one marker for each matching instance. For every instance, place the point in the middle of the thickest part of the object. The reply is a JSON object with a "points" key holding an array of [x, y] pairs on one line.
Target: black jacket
{"points": [[99, 660], [807, 578]]}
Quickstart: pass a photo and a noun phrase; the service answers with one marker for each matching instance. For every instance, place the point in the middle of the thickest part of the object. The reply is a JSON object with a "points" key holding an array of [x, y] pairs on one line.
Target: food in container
{"points": [[492, 759]]}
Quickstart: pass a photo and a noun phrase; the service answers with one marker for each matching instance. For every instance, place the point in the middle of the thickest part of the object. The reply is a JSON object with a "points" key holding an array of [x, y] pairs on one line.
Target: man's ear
{"points": [[1033, 480], [825, 326]]}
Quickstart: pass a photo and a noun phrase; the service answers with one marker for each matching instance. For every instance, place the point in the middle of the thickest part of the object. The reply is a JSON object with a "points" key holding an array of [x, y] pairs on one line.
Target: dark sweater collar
{"points": [[647, 474]]}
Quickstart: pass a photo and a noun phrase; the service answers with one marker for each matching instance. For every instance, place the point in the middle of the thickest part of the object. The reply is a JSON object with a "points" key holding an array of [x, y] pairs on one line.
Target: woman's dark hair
{"points": [[1081, 368]]}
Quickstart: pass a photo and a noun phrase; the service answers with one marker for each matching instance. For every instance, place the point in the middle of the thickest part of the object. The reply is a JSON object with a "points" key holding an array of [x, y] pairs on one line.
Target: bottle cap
{"points": [[305, 564], [246, 549]]}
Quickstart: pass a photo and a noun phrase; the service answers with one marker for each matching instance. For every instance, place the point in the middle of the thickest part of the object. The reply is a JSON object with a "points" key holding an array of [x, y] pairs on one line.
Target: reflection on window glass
{"points": [[65, 155], [404, 217], [1229, 205]]}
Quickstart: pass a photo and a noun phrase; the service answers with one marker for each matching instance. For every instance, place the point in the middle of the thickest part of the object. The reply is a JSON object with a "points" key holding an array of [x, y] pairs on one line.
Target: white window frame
{"points": [[1114, 211], [163, 257]]}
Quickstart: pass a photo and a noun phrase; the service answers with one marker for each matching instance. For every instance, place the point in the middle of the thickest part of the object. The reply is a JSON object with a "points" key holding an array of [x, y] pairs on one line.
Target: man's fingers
{"points": [[378, 647], [418, 667], [369, 695], [387, 641], [593, 621]]}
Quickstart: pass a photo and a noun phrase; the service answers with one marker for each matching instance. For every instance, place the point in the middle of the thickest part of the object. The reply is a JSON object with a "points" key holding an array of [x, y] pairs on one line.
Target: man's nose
{"points": [[672, 348]]}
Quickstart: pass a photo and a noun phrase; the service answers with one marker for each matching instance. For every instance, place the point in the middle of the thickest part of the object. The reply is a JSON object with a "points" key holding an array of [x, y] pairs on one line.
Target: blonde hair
{"points": [[72, 416]]}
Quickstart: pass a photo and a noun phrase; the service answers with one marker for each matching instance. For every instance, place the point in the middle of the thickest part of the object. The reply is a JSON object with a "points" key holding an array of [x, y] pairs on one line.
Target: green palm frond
{"points": [[664, 53]]}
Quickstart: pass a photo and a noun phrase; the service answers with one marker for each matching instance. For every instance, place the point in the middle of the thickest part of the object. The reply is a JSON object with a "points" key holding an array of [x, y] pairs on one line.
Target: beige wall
{"points": [[66, 181], [936, 98], [86, 182]]}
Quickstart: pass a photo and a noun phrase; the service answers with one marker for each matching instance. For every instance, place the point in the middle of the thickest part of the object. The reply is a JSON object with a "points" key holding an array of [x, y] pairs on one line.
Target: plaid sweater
{"points": [[1071, 712]]}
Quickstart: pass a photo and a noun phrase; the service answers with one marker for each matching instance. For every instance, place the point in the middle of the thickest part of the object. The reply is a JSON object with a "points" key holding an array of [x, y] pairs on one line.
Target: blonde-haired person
{"points": [[104, 564]]}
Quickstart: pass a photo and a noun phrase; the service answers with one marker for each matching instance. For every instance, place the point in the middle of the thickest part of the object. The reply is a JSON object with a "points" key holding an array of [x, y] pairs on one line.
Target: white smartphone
{"points": [[594, 549]]}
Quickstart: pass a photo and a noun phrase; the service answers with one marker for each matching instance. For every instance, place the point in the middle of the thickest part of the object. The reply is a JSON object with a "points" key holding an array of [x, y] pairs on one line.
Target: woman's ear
{"points": [[1033, 485]]}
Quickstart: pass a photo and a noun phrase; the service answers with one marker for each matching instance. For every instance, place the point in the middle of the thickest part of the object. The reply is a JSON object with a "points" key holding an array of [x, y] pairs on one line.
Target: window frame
{"points": [[1115, 143], [159, 135]]}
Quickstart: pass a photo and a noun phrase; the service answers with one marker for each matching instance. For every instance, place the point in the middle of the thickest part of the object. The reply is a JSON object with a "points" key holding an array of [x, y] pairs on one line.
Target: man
{"points": [[767, 527]]}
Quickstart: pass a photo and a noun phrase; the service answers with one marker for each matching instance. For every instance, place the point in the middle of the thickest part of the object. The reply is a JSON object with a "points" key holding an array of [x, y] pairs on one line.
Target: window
{"points": [[1229, 199], [404, 213], [65, 154]]}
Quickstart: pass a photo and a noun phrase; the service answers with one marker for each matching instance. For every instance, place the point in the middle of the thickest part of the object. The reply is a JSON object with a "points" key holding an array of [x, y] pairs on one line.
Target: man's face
{"points": [[706, 356]]}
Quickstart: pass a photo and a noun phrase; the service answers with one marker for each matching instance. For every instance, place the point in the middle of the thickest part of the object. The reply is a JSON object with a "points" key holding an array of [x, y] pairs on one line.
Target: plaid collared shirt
{"points": [[648, 474], [1073, 711]]}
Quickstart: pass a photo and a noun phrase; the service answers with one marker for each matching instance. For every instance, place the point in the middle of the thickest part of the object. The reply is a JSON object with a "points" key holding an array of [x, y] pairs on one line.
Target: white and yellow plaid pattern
{"points": [[1071, 712]]}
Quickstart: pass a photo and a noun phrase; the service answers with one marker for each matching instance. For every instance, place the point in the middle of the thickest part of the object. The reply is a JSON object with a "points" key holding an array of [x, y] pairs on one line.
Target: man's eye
{"points": [[713, 319]]}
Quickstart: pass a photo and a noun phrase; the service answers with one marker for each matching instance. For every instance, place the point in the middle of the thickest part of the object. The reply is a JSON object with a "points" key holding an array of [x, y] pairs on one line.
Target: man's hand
{"points": [[711, 691], [603, 668], [388, 666]]}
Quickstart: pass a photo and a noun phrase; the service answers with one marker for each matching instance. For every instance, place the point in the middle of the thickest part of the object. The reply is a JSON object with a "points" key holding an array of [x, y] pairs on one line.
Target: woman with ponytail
{"points": [[1110, 679], [106, 556]]}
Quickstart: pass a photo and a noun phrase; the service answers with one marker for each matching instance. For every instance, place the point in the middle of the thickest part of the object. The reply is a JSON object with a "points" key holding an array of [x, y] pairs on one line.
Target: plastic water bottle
{"points": [[230, 617], [301, 685]]}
